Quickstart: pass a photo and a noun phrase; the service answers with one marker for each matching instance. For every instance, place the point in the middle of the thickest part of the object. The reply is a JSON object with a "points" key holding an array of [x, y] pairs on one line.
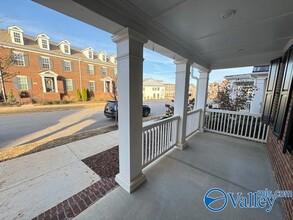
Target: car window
{"points": [[111, 104]]}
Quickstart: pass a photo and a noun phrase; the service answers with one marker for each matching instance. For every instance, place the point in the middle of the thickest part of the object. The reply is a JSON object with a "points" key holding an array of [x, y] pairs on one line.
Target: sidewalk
{"points": [[32, 184], [46, 108]]}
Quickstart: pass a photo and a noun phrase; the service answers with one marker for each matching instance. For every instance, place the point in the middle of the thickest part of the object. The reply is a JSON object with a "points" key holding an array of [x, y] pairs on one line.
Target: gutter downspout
{"points": [[196, 95], [80, 74]]}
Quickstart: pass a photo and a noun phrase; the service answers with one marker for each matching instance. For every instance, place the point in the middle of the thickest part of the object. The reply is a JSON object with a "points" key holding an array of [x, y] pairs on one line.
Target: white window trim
{"points": [[49, 63], [68, 61], [20, 36], [71, 84], [49, 74], [104, 68], [26, 82], [92, 81], [18, 53], [40, 42], [64, 50], [93, 68]]}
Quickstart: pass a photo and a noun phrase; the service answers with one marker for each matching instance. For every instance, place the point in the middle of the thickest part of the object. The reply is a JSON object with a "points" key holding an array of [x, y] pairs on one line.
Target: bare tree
{"points": [[6, 61]]}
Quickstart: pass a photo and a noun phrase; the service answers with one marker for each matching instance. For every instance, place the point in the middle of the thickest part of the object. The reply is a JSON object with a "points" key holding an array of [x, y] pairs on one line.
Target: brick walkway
{"points": [[77, 203], [106, 165]]}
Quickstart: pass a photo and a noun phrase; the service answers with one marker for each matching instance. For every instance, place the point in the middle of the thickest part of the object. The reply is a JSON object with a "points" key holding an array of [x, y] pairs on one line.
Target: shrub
{"points": [[47, 103], [78, 95], [56, 102], [84, 95], [64, 102], [10, 97]]}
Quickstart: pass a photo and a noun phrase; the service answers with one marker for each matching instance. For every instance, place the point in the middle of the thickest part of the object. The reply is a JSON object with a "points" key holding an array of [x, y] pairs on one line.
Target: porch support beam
{"points": [[202, 90], [130, 75], [181, 99]]}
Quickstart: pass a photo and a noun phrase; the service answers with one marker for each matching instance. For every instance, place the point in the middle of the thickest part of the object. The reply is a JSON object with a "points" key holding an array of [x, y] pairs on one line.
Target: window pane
{"points": [[67, 65], [16, 37], [45, 63], [18, 59], [22, 81], [69, 85]]}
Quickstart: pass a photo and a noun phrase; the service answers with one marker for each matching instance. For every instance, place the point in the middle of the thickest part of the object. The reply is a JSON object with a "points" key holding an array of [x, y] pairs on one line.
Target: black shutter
{"points": [[51, 64], [270, 90], [26, 60], [72, 67], [63, 65], [16, 83], [29, 83], [40, 63], [284, 97], [289, 135]]}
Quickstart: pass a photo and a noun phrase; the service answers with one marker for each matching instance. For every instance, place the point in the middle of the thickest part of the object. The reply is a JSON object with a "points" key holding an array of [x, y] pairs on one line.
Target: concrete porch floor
{"points": [[177, 182]]}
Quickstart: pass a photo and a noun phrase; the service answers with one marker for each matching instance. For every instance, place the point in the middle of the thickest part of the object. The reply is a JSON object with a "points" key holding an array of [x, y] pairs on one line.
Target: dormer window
{"points": [[88, 52], [65, 47], [44, 44], [113, 59], [43, 41], [16, 35], [102, 56]]}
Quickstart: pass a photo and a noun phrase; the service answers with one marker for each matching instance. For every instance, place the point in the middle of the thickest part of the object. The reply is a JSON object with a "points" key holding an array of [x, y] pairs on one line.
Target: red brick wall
{"points": [[33, 70], [282, 163]]}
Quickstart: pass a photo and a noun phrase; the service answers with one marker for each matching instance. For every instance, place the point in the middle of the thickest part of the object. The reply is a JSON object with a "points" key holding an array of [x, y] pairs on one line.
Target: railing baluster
{"points": [[234, 120], [246, 126], [218, 121], [250, 127], [259, 128], [238, 121], [242, 127], [255, 126], [224, 126]]}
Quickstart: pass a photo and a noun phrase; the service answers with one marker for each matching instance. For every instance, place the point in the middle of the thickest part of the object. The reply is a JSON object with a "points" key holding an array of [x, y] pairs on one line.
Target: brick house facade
{"points": [[280, 146], [44, 70]]}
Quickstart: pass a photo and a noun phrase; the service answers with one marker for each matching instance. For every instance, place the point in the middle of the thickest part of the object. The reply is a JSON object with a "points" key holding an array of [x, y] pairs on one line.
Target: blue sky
{"points": [[30, 17]]}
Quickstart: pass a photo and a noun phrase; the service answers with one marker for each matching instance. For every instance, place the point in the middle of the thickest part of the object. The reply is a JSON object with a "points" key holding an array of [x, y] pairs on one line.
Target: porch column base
{"points": [[130, 186], [181, 146]]}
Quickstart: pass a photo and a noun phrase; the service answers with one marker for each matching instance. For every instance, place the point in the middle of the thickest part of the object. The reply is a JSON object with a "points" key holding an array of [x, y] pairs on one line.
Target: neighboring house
{"points": [[170, 91], [46, 70], [254, 84], [153, 89]]}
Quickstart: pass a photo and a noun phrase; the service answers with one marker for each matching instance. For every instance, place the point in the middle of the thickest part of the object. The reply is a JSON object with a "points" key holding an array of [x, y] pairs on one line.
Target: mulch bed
{"points": [[106, 165]]}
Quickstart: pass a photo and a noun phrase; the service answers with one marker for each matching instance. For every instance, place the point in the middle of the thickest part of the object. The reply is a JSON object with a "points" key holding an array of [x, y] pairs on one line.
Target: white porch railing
{"points": [[238, 124], [193, 120], [158, 138]]}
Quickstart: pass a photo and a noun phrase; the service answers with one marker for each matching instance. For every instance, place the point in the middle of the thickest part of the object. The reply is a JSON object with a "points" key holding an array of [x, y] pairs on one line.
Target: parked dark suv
{"points": [[110, 110]]}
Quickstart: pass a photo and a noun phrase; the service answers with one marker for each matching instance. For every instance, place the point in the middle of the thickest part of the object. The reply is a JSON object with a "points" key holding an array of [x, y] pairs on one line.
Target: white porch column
{"points": [[181, 99], [202, 96], [130, 70]]}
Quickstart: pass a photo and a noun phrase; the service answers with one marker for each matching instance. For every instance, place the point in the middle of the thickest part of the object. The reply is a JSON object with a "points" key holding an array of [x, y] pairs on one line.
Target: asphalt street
{"points": [[24, 128]]}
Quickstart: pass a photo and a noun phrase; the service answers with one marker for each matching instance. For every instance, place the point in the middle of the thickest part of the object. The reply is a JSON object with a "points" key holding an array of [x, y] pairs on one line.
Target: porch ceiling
{"points": [[258, 32]]}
